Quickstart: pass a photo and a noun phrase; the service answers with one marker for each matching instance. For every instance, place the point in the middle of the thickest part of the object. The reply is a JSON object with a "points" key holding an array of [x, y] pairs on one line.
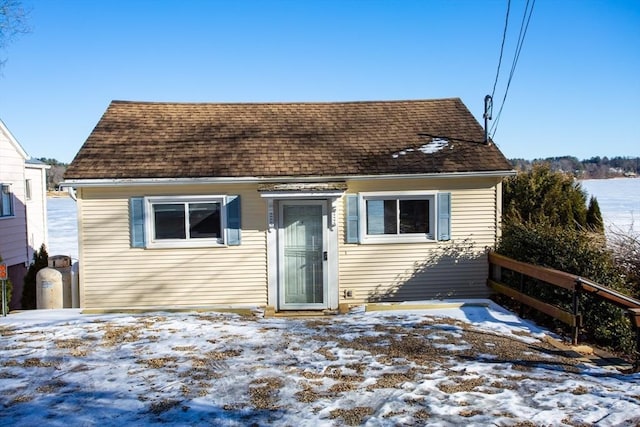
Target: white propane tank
{"points": [[62, 263], [48, 289]]}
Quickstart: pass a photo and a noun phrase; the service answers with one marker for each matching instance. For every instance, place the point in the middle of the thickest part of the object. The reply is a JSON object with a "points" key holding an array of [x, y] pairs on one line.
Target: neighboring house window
{"points": [[398, 217], [185, 221], [6, 200], [27, 189]]}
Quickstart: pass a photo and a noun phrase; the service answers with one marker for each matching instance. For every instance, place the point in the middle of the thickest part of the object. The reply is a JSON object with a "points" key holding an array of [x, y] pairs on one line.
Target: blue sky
{"points": [[576, 90]]}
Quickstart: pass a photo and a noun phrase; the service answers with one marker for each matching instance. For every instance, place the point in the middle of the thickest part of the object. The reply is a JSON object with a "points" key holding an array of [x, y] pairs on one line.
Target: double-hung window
{"points": [[6, 201], [185, 221], [398, 217]]}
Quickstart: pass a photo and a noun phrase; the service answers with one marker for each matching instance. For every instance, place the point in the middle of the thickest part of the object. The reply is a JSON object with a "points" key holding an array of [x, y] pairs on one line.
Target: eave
{"points": [[118, 182]]}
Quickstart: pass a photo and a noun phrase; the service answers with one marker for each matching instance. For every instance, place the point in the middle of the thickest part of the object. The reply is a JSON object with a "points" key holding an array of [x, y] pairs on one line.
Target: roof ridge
{"points": [[389, 101]]}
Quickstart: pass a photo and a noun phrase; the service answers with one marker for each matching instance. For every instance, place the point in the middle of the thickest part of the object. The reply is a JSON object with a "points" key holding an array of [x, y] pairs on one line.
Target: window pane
{"points": [[382, 217], [169, 221], [204, 220], [414, 216], [5, 201], [27, 189]]}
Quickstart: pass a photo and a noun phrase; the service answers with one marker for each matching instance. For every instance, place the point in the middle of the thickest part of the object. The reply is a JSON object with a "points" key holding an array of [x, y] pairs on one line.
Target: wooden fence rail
{"points": [[576, 285]]}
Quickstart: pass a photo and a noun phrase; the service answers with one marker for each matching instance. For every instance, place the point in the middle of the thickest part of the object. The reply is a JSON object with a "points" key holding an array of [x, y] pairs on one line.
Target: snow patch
{"points": [[434, 146]]}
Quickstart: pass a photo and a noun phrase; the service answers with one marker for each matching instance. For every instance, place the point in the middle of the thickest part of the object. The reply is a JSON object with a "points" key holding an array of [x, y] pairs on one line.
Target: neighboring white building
{"points": [[23, 209]]}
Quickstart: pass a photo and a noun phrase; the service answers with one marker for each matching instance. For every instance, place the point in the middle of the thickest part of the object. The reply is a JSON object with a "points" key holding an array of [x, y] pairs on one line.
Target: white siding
{"points": [[13, 230], [115, 275], [36, 208], [433, 270]]}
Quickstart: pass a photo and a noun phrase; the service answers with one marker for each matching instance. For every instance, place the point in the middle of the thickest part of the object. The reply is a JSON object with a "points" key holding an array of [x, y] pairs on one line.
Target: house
{"points": [[23, 210], [295, 206]]}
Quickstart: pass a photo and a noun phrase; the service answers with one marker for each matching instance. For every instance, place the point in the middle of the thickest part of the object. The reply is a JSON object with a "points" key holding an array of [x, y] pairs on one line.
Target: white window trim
{"points": [[12, 201], [432, 196], [184, 243], [28, 189]]}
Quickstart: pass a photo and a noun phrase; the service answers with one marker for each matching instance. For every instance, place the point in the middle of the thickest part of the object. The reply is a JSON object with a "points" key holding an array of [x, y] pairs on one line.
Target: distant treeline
{"points": [[55, 174], [593, 168]]}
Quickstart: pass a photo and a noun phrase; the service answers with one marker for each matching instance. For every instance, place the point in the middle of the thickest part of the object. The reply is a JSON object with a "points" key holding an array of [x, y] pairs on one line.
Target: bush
{"points": [[577, 252], [626, 252], [547, 222], [40, 261], [543, 196]]}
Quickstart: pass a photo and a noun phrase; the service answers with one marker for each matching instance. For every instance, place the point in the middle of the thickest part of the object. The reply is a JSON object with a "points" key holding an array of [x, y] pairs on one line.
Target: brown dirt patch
{"points": [[163, 405], [461, 385], [159, 362], [352, 417], [223, 355], [263, 393], [114, 335]]}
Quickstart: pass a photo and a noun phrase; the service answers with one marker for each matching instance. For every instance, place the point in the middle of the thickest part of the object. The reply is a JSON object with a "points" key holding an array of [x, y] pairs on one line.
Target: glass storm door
{"points": [[302, 254]]}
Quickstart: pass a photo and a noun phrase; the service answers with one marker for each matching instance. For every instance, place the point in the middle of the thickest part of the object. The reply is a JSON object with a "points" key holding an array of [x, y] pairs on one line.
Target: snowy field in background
{"points": [[62, 227], [619, 201], [467, 366]]}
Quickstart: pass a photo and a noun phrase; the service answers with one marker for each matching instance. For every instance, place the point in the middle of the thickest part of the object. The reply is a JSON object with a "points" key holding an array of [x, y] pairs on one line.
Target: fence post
{"points": [[577, 290], [522, 290], [634, 314]]}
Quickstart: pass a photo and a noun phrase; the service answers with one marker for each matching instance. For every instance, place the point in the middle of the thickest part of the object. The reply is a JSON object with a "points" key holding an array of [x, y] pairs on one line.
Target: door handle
{"points": [[325, 255]]}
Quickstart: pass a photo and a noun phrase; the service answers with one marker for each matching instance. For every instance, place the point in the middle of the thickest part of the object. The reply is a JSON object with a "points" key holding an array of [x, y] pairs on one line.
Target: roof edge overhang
{"points": [[78, 183], [13, 141]]}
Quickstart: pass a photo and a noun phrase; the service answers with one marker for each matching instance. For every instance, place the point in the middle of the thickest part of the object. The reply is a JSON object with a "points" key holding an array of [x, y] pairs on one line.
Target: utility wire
{"points": [[504, 37], [523, 32]]}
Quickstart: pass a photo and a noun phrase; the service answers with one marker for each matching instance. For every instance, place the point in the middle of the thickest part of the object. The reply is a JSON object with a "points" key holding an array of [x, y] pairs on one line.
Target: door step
{"points": [[302, 313]]}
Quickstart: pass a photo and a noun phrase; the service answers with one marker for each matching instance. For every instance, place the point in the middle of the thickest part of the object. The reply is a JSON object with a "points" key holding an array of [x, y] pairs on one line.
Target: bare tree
{"points": [[13, 22], [626, 251]]}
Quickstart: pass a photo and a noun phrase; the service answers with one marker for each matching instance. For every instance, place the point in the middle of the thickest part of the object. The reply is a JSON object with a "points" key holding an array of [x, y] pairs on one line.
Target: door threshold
{"points": [[305, 313]]}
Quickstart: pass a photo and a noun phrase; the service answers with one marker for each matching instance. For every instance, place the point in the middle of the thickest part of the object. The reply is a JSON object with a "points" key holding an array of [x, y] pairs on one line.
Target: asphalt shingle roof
{"points": [[199, 140]]}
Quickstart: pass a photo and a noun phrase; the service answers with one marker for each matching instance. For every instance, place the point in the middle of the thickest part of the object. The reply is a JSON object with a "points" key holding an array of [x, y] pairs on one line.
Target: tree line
{"points": [[55, 174], [593, 168]]}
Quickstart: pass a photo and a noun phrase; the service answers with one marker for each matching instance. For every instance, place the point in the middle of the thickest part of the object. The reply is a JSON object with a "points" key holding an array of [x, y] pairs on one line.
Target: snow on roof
{"points": [[435, 145]]}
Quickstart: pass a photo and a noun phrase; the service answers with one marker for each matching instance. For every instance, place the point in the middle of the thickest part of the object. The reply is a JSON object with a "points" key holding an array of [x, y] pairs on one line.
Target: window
{"points": [[391, 217], [397, 217], [6, 200], [185, 221], [27, 189]]}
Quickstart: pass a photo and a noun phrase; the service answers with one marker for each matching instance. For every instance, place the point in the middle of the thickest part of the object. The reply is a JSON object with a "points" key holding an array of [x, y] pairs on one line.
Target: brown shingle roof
{"points": [[198, 140]]}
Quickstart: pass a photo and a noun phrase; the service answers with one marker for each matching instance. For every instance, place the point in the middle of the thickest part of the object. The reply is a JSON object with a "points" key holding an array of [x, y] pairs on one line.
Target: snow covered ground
{"points": [[62, 227], [474, 365], [619, 201]]}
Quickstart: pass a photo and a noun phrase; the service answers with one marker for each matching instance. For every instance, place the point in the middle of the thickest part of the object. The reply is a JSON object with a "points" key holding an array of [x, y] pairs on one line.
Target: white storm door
{"points": [[302, 254]]}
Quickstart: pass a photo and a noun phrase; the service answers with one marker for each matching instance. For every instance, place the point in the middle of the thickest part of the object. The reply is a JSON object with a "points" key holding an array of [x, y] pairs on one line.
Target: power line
{"points": [[504, 37], [524, 26]]}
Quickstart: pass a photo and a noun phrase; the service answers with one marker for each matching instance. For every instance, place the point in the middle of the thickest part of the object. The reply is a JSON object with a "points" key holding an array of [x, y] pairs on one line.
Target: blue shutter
{"points": [[444, 216], [233, 220], [136, 222], [353, 234]]}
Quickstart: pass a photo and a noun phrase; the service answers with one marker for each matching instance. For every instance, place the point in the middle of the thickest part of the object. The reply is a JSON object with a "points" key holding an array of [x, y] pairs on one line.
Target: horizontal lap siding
{"points": [[417, 271], [115, 275], [13, 230]]}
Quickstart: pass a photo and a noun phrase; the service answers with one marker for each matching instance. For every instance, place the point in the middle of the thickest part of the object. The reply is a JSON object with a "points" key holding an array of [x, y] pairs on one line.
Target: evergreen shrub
{"points": [[547, 222], [40, 261]]}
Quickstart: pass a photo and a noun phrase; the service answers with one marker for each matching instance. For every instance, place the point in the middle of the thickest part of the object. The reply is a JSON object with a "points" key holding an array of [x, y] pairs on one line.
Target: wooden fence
{"points": [[576, 285]]}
